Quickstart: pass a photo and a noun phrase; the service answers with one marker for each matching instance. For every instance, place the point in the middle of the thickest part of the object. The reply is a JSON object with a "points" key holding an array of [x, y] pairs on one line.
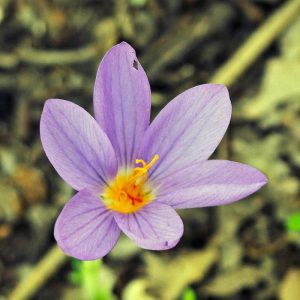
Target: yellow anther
{"points": [[140, 161], [142, 171], [151, 163]]}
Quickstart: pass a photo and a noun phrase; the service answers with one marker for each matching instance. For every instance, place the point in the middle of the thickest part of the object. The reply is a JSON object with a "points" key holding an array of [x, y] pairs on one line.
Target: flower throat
{"points": [[128, 193]]}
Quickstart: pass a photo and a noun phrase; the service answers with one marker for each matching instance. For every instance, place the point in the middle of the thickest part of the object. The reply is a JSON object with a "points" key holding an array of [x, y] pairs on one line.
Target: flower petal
{"points": [[85, 229], [122, 101], [75, 144], [187, 130], [156, 226], [210, 183]]}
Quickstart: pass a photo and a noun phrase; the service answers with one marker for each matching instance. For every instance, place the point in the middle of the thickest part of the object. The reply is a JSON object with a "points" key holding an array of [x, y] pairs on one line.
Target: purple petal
{"points": [[122, 101], [187, 130], [156, 226], [75, 144], [85, 229], [210, 183]]}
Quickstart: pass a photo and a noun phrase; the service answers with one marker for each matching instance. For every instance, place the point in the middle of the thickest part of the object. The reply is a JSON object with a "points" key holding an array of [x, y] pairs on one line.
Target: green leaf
{"points": [[189, 294], [293, 222]]}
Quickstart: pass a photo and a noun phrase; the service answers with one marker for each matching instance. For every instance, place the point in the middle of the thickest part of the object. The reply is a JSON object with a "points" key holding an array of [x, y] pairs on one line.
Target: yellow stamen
{"points": [[128, 193], [142, 172]]}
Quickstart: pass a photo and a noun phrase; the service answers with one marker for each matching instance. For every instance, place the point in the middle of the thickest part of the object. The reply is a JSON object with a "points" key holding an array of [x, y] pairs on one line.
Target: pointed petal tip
{"points": [[218, 88], [47, 103], [53, 103], [263, 179], [258, 176], [123, 46], [216, 85]]}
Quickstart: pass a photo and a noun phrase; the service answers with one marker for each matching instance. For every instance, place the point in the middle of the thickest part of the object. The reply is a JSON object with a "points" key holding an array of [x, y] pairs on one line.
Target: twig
{"points": [[21, 119], [48, 58], [228, 74], [250, 10], [245, 56], [49, 264]]}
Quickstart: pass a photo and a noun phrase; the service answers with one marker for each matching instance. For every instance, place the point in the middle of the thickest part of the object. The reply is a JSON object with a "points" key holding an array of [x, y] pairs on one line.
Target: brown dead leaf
{"points": [[228, 283], [168, 277], [31, 183]]}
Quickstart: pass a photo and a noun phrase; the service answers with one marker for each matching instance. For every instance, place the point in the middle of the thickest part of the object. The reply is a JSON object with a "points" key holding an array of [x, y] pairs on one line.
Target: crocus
{"points": [[132, 176]]}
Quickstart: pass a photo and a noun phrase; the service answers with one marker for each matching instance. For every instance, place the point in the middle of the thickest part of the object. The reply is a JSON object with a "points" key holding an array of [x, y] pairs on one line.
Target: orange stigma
{"points": [[128, 193]]}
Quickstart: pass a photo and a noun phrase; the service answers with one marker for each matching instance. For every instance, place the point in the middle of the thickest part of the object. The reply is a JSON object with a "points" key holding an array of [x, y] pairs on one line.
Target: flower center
{"points": [[128, 193]]}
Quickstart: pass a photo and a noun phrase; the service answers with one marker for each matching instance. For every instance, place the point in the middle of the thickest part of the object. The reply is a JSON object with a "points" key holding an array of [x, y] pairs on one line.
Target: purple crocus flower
{"points": [[131, 176]]}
